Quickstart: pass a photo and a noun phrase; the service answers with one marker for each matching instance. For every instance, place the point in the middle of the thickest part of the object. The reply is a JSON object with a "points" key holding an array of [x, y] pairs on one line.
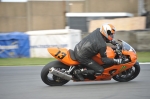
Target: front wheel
{"points": [[51, 79], [129, 74]]}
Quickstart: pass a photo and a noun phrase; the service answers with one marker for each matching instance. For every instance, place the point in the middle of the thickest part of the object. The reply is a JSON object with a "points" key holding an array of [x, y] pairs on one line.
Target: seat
{"points": [[72, 54]]}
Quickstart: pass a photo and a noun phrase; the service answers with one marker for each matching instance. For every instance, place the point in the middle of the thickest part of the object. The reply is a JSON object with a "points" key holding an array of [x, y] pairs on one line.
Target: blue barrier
{"points": [[14, 45]]}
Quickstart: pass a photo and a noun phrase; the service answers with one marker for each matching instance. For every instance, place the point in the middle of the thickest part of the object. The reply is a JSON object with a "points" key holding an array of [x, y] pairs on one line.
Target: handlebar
{"points": [[118, 46], [118, 50], [115, 44]]}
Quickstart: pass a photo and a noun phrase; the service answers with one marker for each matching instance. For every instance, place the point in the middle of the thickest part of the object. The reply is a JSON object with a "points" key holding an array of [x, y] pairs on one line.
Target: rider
{"points": [[91, 45]]}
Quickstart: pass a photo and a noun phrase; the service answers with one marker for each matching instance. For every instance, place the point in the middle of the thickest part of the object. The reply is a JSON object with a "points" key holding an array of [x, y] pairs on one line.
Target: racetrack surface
{"points": [[24, 82]]}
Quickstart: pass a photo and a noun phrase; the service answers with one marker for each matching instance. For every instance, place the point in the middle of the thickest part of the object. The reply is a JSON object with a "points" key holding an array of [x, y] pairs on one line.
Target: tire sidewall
{"points": [[45, 71], [136, 73]]}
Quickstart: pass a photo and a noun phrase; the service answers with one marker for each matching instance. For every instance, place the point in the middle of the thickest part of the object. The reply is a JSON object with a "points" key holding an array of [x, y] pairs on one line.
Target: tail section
{"points": [[63, 55]]}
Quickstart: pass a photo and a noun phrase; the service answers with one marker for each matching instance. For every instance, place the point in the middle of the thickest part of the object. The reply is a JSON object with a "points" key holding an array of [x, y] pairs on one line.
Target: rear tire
{"points": [[53, 80], [121, 77]]}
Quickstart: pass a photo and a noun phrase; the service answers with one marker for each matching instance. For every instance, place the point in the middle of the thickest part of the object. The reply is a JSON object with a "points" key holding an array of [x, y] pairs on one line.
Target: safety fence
{"points": [[35, 43]]}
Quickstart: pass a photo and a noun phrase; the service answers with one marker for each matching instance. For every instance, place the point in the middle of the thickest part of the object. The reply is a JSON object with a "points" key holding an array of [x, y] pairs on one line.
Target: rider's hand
{"points": [[118, 61]]}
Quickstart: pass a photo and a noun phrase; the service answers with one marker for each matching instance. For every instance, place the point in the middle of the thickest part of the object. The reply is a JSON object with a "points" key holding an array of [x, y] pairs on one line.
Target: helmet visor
{"points": [[111, 35]]}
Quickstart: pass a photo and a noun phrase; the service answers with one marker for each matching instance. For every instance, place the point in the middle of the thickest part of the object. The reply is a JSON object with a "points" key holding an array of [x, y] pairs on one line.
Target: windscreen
{"points": [[126, 46]]}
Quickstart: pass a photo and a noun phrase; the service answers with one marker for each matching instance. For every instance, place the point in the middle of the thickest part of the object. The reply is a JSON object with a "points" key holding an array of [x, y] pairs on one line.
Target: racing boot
{"points": [[89, 73], [78, 74]]}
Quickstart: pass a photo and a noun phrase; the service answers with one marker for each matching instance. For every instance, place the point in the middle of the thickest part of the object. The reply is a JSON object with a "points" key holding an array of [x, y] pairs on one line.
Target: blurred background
{"points": [[49, 17]]}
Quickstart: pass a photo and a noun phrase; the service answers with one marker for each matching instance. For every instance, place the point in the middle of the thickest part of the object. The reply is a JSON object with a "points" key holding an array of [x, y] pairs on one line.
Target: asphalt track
{"points": [[25, 83]]}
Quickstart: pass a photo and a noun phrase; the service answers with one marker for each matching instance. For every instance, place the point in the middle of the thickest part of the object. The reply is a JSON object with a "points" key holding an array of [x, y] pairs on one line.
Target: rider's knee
{"points": [[99, 71]]}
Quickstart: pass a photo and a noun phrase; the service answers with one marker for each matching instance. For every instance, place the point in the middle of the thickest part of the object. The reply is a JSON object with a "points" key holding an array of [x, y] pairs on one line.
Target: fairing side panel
{"points": [[109, 52], [62, 55]]}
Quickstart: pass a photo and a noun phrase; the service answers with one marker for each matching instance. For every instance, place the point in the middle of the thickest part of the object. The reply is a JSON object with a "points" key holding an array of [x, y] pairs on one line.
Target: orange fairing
{"points": [[63, 55], [132, 55], [110, 54]]}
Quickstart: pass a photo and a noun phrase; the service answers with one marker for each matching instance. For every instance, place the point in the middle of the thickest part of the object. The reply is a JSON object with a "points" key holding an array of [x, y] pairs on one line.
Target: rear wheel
{"points": [[129, 74], [51, 79]]}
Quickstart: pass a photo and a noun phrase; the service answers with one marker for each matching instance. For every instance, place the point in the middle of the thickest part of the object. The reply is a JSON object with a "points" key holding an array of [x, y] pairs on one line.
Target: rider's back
{"points": [[90, 45]]}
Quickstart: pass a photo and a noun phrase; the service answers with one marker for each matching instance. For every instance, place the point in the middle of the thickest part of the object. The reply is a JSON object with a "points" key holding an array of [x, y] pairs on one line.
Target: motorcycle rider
{"points": [[90, 46]]}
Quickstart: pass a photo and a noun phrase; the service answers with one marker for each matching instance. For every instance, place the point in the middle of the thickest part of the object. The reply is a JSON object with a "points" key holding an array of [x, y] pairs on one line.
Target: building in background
{"points": [[51, 14]]}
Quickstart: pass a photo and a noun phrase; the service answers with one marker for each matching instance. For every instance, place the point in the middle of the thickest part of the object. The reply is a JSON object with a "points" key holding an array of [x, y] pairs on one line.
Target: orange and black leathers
{"points": [[90, 46]]}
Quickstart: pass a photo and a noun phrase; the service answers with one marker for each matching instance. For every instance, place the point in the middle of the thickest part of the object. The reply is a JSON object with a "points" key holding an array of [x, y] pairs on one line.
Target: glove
{"points": [[118, 61]]}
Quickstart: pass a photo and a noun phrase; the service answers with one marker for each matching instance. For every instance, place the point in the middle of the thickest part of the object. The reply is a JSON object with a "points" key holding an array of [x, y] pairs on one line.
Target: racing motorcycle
{"points": [[61, 70]]}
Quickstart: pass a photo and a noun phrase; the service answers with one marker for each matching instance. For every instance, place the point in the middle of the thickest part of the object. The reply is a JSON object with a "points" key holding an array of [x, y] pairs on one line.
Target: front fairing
{"points": [[127, 47], [128, 50]]}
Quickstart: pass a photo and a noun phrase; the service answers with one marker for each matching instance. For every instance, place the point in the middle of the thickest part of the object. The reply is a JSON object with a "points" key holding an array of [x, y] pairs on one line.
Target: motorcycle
{"points": [[61, 71]]}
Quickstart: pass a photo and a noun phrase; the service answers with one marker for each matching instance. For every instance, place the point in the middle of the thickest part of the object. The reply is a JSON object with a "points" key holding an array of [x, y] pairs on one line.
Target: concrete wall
{"points": [[13, 17], [47, 15], [147, 5], [113, 6], [41, 15], [130, 6], [138, 39]]}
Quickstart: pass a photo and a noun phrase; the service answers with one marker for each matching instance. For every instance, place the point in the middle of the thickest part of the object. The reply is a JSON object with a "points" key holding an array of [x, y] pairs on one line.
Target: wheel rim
{"points": [[129, 74], [126, 74]]}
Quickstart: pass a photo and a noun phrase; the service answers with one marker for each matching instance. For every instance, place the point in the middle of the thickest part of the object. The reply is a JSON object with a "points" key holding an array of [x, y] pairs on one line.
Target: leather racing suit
{"points": [[90, 46]]}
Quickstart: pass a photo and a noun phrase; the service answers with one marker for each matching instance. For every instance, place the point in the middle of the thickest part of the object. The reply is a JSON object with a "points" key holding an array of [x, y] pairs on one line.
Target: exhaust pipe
{"points": [[60, 74]]}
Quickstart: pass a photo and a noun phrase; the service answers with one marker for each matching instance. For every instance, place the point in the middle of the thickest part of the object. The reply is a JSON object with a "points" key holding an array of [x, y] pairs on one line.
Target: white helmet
{"points": [[108, 31]]}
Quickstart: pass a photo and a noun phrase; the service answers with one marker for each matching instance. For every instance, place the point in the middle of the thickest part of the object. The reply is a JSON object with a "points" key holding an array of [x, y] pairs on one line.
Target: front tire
{"points": [[129, 74], [50, 79]]}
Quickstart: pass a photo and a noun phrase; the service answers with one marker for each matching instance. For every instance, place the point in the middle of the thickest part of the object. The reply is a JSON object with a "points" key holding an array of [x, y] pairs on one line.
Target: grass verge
{"points": [[142, 57], [24, 61]]}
